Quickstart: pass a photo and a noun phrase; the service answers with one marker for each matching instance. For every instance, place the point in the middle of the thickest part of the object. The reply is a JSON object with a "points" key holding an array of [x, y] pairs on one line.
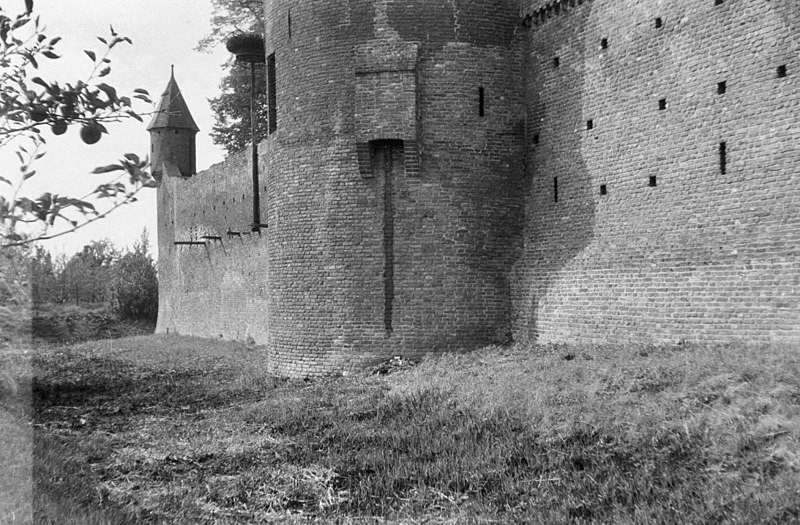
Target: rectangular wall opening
{"points": [[782, 71], [722, 87], [481, 102], [662, 104], [603, 189], [272, 97], [723, 158], [652, 181], [555, 189]]}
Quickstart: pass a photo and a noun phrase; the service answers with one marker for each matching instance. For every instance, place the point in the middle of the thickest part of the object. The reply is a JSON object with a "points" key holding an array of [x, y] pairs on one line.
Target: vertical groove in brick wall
{"points": [[388, 233]]}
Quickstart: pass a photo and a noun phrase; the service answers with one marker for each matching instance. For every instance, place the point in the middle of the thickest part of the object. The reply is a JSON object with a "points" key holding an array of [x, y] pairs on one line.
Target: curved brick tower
{"points": [[394, 171]]}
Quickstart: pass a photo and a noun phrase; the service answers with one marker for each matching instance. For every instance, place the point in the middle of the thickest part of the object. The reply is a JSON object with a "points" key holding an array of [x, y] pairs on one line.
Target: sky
{"points": [[164, 33]]}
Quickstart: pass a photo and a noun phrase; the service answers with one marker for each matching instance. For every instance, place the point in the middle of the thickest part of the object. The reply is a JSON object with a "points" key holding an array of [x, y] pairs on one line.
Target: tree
{"points": [[232, 108], [29, 103], [135, 284], [44, 282], [88, 275]]}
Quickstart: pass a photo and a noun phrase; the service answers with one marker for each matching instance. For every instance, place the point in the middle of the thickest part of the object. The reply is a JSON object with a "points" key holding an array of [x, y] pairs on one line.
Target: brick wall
{"points": [[446, 174], [356, 72], [219, 288], [702, 255]]}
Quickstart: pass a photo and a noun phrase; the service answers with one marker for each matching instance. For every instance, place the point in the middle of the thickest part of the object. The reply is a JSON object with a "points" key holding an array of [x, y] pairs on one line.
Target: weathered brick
{"points": [[466, 244]]}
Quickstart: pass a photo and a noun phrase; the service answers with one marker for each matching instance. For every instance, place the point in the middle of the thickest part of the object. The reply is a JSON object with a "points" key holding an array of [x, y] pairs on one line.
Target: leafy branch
{"points": [[29, 103]]}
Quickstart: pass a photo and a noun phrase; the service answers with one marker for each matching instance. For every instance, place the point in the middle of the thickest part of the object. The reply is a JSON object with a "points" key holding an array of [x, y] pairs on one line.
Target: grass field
{"points": [[163, 429]]}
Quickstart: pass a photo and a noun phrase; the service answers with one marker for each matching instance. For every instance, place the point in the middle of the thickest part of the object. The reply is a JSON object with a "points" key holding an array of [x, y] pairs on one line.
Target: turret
{"points": [[172, 133]]}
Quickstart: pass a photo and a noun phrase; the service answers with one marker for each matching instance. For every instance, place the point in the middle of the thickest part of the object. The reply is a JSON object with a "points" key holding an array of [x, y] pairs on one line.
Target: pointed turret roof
{"points": [[172, 110]]}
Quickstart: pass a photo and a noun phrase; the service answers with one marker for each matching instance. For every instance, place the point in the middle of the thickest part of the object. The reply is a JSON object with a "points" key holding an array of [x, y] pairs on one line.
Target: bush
{"points": [[135, 285]]}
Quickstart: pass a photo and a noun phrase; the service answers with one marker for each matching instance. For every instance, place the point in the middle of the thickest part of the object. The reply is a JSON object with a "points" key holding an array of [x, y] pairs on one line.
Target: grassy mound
{"points": [[60, 323], [164, 429]]}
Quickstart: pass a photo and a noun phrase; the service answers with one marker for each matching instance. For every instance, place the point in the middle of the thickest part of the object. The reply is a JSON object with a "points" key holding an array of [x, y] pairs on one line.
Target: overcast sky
{"points": [[164, 32]]}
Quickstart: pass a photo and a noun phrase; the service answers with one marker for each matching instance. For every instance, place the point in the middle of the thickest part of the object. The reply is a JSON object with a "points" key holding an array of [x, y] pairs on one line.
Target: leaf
{"points": [[5, 180], [29, 175], [110, 92], [133, 157], [105, 71], [91, 54], [142, 91], [134, 115], [28, 6], [50, 55], [109, 168], [113, 33], [41, 82], [55, 41], [103, 40]]}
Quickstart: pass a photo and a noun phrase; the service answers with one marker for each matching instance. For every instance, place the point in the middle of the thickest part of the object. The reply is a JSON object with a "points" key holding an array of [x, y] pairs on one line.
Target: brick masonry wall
{"points": [[704, 255], [355, 72], [410, 187], [217, 289]]}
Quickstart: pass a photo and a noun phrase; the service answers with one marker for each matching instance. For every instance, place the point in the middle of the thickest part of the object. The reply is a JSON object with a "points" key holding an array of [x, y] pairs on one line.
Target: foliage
{"points": [[169, 429], [87, 276], [29, 103], [135, 285], [44, 282], [232, 108]]}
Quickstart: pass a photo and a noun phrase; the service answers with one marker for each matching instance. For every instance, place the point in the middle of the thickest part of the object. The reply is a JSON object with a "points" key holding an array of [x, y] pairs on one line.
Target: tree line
{"points": [[98, 275]]}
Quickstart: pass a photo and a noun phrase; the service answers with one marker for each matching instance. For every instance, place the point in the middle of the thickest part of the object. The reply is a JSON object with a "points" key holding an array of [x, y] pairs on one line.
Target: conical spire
{"points": [[172, 111]]}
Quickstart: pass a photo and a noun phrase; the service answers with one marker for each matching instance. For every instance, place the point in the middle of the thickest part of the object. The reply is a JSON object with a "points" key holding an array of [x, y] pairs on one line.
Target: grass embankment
{"points": [[68, 323], [176, 430]]}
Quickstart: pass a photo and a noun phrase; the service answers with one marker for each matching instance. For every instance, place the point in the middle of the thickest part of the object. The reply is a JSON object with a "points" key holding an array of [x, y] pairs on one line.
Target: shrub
{"points": [[135, 284]]}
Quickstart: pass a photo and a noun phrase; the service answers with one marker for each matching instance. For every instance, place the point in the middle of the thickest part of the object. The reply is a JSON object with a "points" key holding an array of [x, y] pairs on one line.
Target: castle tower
{"points": [[172, 133], [395, 163], [172, 157]]}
